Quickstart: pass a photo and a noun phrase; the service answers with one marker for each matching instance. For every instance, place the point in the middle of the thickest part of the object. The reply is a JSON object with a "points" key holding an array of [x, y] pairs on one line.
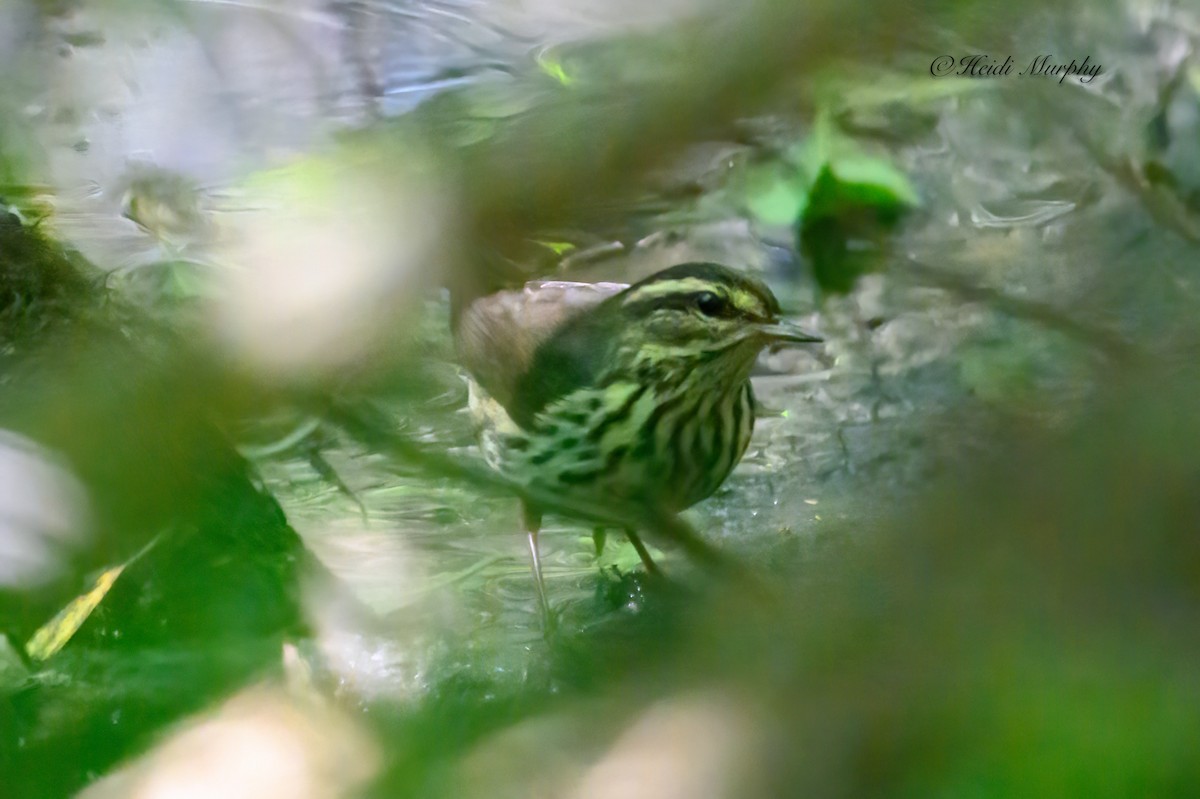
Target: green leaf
{"points": [[774, 194], [875, 180], [56, 633], [557, 247], [550, 65], [854, 200]]}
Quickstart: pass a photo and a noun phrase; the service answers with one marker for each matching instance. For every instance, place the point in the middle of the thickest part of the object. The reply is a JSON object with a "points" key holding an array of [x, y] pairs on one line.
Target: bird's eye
{"points": [[710, 304]]}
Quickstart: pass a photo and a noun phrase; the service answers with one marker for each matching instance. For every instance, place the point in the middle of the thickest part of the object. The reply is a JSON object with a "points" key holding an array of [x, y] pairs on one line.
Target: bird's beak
{"points": [[785, 332]]}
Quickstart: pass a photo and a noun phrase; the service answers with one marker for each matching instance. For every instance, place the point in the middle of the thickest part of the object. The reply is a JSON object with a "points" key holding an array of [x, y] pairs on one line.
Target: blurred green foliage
{"points": [[1023, 622], [210, 585], [842, 200]]}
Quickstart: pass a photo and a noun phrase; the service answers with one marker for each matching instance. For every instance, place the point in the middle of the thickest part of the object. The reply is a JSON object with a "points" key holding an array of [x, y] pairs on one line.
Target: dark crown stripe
{"points": [[715, 275], [684, 300]]}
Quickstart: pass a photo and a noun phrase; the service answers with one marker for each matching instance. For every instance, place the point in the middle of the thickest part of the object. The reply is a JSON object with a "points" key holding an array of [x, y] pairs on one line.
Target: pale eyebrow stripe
{"points": [[666, 287], [749, 302], [746, 301]]}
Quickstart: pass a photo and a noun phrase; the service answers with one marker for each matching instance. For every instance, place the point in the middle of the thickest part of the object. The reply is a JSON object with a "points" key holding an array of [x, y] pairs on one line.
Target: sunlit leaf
{"points": [[554, 68], [774, 194], [854, 201], [557, 247], [875, 180], [52, 636]]}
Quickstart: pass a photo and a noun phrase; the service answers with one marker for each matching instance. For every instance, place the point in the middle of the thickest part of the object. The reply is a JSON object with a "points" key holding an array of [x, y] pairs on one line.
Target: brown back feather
{"points": [[497, 335]]}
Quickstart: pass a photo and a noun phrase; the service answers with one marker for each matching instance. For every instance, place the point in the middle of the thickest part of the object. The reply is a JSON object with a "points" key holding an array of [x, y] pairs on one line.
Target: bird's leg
{"points": [[643, 553], [532, 518]]}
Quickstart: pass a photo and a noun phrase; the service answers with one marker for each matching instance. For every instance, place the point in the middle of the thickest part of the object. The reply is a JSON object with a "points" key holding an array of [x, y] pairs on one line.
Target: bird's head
{"points": [[701, 316]]}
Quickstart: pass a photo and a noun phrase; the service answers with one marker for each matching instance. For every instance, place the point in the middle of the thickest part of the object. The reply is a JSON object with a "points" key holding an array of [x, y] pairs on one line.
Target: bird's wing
{"points": [[498, 334]]}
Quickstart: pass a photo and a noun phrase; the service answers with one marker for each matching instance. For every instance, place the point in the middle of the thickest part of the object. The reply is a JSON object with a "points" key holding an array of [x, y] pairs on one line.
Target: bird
{"points": [[613, 395]]}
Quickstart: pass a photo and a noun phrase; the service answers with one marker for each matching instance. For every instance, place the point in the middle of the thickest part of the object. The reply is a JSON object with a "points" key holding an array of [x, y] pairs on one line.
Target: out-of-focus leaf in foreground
{"points": [[854, 201]]}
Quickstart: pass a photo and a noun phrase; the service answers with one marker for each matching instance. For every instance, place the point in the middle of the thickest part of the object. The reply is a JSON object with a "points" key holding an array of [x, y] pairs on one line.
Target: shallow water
{"points": [[906, 388]]}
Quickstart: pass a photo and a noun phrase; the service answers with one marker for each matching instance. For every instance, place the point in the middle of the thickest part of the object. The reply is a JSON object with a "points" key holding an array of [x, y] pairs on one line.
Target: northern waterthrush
{"points": [[636, 396]]}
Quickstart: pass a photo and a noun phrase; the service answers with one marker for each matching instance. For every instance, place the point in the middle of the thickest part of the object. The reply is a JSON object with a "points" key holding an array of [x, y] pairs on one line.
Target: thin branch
{"points": [[1044, 314], [1162, 204], [666, 526]]}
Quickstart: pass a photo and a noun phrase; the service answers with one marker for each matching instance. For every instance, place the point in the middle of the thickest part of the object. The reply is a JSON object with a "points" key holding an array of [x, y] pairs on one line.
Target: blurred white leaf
{"points": [[262, 744], [329, 273], [42, 513]]}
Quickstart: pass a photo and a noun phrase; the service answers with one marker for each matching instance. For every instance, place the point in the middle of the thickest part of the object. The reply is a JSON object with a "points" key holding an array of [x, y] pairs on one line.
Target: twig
{"points": [[1164, 206], [666, 526], [1044, 314]]}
